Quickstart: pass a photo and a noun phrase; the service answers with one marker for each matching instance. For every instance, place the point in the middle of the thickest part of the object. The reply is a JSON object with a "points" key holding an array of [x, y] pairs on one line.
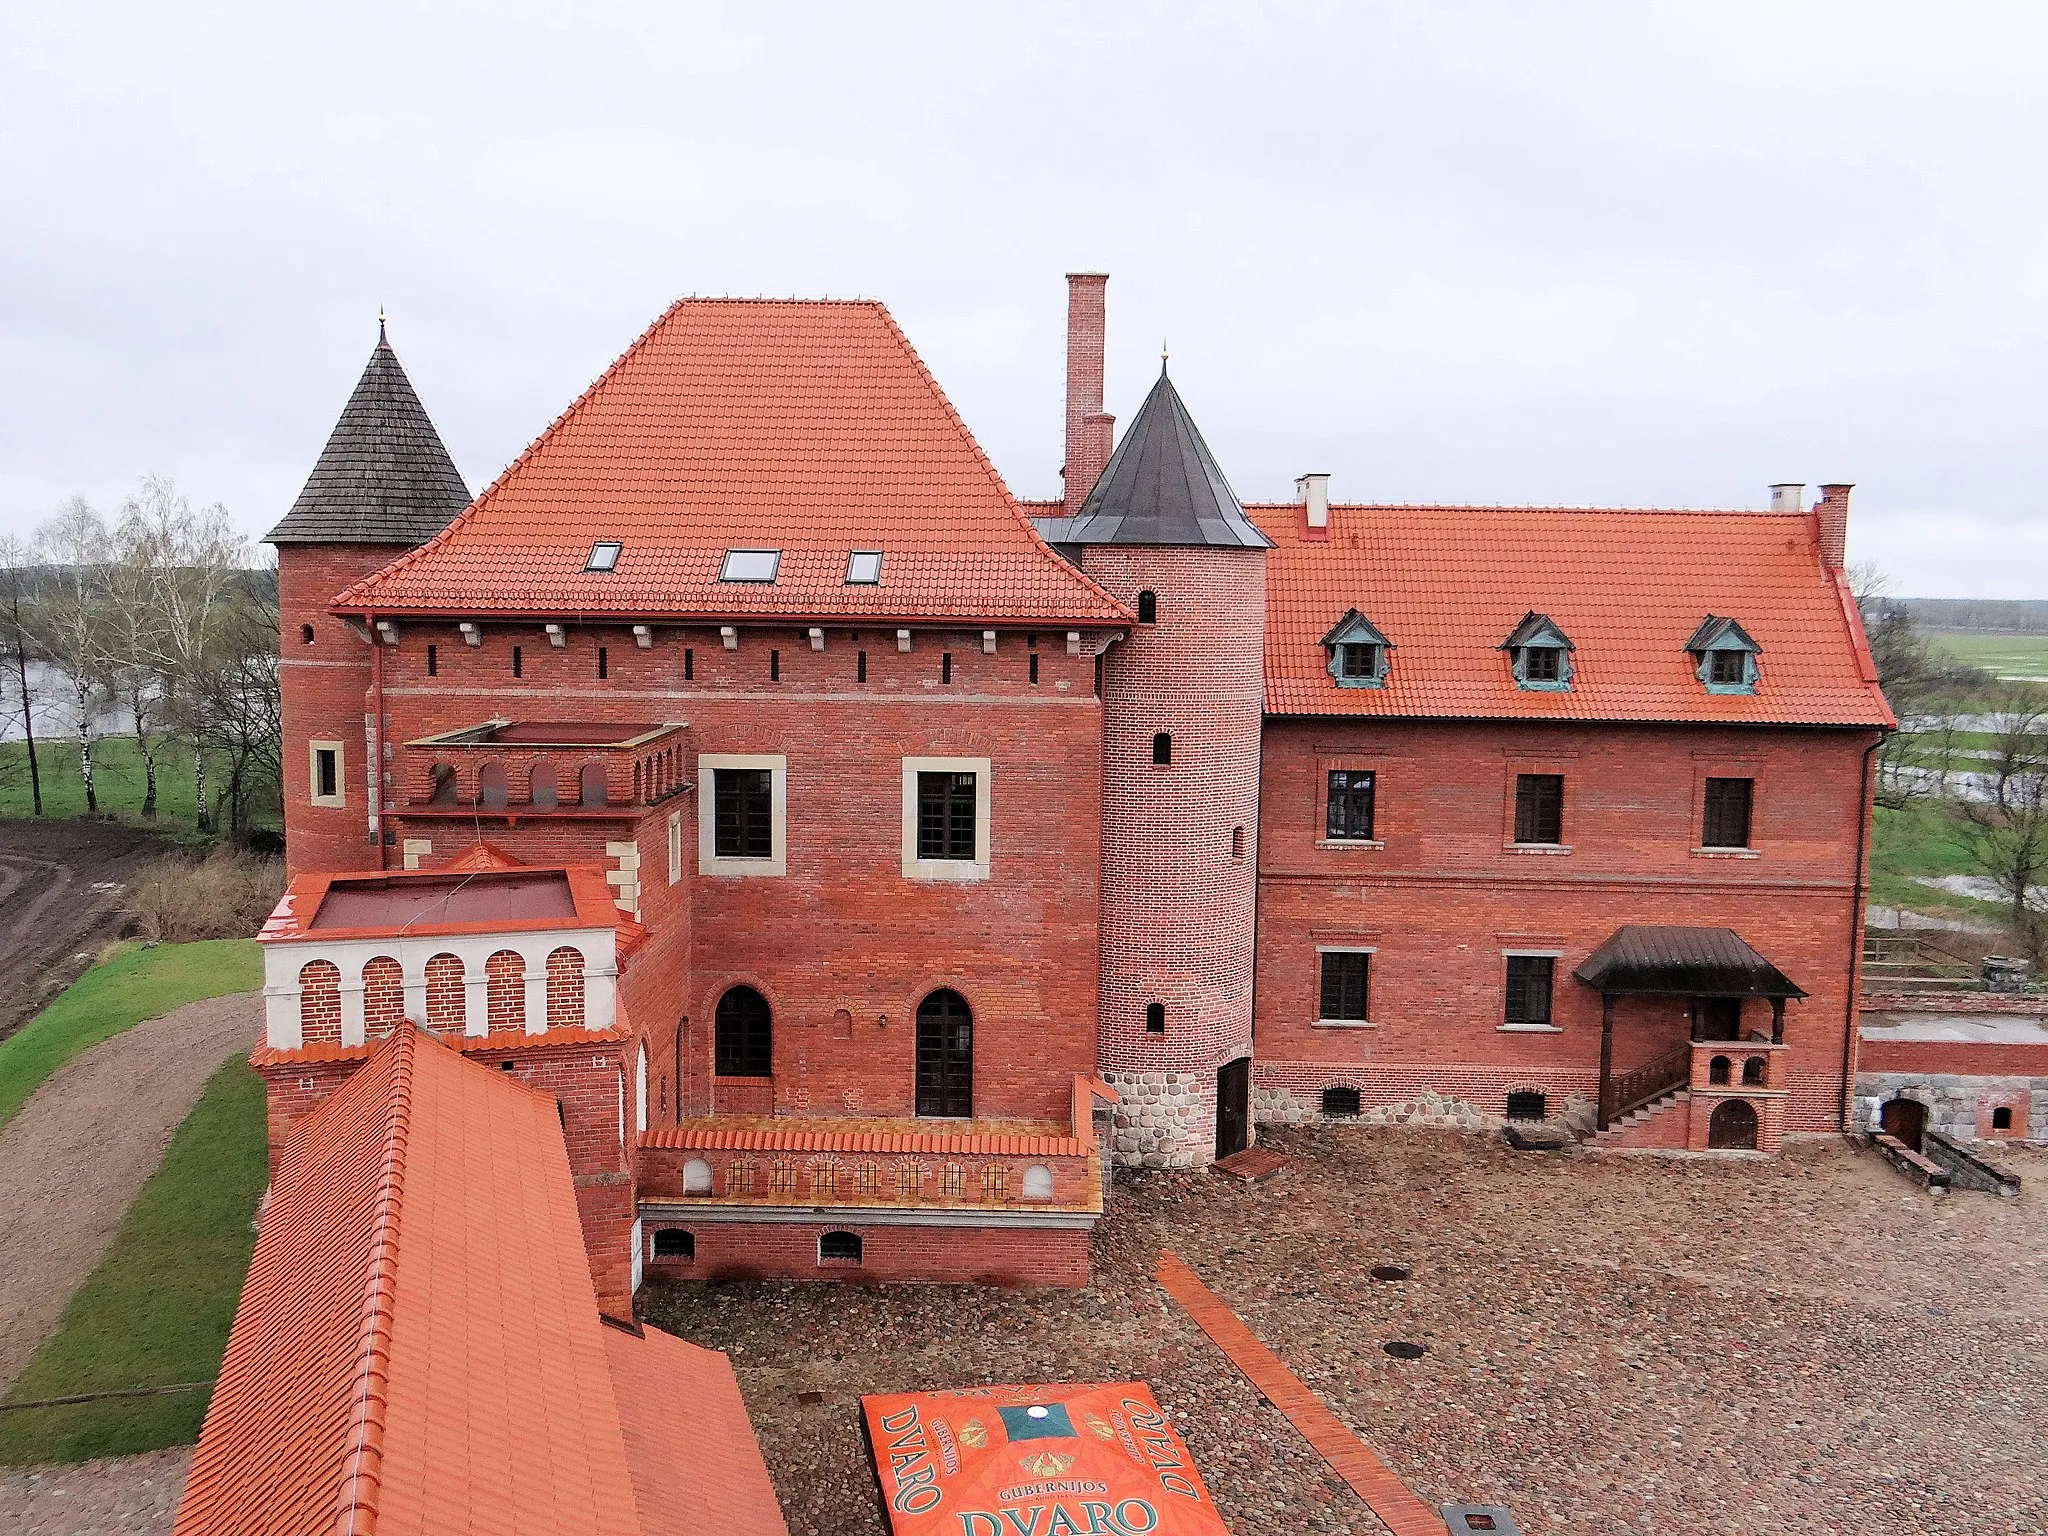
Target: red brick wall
{"points": [[383, 996], [958, 1255], [447, 994], [565, 988], [1177, 904], [1443, 898], [323, 688], [505, 991], [1945, 1058], [320, 1003]]}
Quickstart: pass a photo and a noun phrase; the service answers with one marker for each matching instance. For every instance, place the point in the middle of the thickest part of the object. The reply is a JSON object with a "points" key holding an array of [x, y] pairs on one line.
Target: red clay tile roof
{"points": [[806, 426], [417, 1347], [1447, 584]]}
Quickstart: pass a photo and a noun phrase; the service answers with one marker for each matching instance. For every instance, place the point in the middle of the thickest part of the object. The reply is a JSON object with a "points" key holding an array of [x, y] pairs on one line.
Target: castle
{"points": [[864, 860]]}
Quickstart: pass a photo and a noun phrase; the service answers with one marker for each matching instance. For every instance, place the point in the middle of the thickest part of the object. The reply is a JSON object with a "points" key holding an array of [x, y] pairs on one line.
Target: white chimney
{"points": [[1788, 498], [1314, 491]]}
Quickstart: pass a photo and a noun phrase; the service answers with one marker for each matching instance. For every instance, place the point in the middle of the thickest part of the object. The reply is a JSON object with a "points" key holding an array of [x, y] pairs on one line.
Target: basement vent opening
{"points": [[1342, 1102], [674, 1243], [2001, 1118], [1525, 1105]]}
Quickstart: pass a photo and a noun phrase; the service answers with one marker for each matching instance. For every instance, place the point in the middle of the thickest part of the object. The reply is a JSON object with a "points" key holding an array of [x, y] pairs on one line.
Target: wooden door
{"points": [[1904, 1120], [945, 1056], [1732, 1126], [1234, 1106]]}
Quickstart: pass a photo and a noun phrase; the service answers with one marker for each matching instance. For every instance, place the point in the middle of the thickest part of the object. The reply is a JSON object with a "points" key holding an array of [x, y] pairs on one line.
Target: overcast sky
{"points": [[1610, 254]]}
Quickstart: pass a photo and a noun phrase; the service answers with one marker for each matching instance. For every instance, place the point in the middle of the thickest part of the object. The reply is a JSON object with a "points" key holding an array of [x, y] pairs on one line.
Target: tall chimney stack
{"points": [[1088, 428], [1314, 491], [1833, 511]]}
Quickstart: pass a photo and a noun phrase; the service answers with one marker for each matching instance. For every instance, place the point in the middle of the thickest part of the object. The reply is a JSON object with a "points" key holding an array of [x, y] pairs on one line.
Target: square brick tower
{"points": [[1160, 529]]}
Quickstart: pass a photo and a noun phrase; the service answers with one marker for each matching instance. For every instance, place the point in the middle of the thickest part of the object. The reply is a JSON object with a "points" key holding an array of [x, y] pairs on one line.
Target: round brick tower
{"points": [[1182, 703]]}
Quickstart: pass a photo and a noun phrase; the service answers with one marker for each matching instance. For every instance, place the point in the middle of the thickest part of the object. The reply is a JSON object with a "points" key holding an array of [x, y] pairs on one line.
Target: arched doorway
{"points": [[1904, 1120], [743, 1038], [1732, 1126], [945, 1056]]}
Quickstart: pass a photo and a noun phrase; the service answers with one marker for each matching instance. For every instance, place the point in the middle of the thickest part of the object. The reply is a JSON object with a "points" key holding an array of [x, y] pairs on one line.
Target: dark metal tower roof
{"points": [[1163, 486], [384, 476]]}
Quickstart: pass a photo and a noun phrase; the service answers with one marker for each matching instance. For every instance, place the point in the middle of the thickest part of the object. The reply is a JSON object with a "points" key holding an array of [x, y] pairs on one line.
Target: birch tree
{"points": [[13, 559], [69, 624]]}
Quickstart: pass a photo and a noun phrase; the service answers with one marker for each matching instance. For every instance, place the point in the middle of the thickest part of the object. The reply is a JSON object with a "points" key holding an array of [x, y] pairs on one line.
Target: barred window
{"points": [[909, 1180], [995, 1183], [1341, 1102], [824, 1179], [739, 1176], [952, 1181], [867, 1180], [782, 1176]]}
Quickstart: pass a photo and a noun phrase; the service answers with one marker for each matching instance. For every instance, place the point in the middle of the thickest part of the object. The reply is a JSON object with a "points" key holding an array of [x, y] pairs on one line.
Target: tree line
{"points": [[161, 614]]}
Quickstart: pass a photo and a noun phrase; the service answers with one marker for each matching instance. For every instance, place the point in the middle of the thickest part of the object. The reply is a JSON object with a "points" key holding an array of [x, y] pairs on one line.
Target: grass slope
{"points": [[117, 776], [115, 995], [1923, 839], [157, 1309]]}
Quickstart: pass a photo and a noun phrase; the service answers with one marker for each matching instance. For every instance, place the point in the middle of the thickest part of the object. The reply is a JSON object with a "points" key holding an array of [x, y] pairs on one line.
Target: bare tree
{"points": [[1907, 673], [70, 616], [13, 557], [2019, 743], [247, 714], [132, 643], [2008, 838]]}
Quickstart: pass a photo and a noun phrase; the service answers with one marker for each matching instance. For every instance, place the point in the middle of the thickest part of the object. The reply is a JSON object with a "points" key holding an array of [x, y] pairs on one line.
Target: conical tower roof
{"points": [[384, 476], [1163, 486]]}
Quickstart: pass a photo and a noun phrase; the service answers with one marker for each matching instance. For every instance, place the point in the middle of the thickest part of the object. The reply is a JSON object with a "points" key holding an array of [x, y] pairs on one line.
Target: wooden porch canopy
{"points": [[1642, 960]]}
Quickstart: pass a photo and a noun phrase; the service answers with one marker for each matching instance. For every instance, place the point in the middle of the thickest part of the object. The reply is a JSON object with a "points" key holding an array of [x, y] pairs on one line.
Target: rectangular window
{"points": [[945, 816], [1726, 822], [433, 661], [518, 662], [675, 847], [1348, 818], [744, 813], [1529, 977], [750, 565], [1539, 808], [1542, 663], [864, 568], [1345, 974], [604, 555], [324, 780], [1726, 666], [1358, 660], [604, 663]]}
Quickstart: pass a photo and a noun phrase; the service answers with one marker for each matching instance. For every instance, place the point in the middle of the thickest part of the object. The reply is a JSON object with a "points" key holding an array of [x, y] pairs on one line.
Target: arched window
{"points": [[542, 788], [1155, 1018], [441, 781], [824, 1179], [744, 1040], [591, 784], [491, 790], [945, 1056], [320, 1002], [839, 1248], [1148, 608], [1753, 1072], [565, 988], [696, 1177], [505, 991], [674, 1243], [1717, 1070], [995, 1183], [640, 1090], [383, 996], [305, 634], [447, 996], [1038, 1182], [1162, 748]]}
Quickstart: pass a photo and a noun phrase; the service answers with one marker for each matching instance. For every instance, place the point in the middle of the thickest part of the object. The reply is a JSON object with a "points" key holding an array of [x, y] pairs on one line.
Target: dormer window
{"points": [[1726, 655], [864, 568], [1539, 654], [604, 555], [1357, 652], [750, 565]]}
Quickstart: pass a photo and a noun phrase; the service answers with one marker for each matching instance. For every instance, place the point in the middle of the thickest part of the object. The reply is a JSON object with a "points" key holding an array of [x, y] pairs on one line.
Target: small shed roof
{"points": [[1644, 960]]}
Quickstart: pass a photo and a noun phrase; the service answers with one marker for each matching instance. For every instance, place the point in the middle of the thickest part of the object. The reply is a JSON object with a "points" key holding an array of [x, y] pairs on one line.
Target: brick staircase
{"points": [[1661, 1124]]}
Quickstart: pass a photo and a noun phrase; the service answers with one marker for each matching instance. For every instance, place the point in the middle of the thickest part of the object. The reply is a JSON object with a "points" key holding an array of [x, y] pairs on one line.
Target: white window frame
{"points": [[1367, 950], [976, 868], [675, 847], [708, 860], [727, 567], [852, 565], [340, 795]]}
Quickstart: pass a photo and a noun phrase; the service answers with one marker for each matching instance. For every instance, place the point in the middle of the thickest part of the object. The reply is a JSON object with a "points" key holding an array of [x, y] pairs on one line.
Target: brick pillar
{"points": [[1088, 428], [1833, 512]]}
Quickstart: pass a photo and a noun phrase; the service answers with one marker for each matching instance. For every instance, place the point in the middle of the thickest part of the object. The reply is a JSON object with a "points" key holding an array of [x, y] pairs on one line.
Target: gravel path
{"points": [[75, 1156], [114, 1497], [1616, 1345]]}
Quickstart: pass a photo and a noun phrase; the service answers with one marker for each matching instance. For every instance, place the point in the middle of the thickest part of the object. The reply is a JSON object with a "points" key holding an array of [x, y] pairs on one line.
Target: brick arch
{"points": [[565, 988], [995, 1183], [505, 991], [383, 996], [447, 996], [543, 785], [320, 1003]]}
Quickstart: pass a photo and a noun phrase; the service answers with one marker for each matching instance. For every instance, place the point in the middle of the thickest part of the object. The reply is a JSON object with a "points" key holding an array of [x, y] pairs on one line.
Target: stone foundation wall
{"points": [[1428, 1109], [1960, 1107], [1163, 1119]]}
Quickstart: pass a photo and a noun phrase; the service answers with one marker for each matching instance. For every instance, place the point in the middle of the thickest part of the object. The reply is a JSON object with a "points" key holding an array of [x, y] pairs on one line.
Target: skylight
{"points": [[750, 565], [864, 568], [604, 555]]}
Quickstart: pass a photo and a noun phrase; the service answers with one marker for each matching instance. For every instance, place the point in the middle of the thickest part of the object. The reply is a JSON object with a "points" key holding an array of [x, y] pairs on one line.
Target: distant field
{"points": [[2006, 656]]}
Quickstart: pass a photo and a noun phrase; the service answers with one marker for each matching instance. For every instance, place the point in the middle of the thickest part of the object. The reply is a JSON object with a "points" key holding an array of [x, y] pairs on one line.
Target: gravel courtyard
{"points": [[1615, 1344]]}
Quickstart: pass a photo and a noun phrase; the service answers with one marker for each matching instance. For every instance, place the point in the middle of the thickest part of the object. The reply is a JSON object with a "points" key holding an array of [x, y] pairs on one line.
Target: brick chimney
{"points": [[1088, 428], [1833, 511]]}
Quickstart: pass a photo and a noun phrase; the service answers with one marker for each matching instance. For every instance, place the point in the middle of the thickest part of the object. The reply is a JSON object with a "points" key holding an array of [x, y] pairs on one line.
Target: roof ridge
{"points": [[363, 1444], [1009, 496], [547, 432], [1523, 506]]}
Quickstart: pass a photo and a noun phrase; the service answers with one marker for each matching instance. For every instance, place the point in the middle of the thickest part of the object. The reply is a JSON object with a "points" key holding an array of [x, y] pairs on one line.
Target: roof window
{"points": [[864, 568], [750, 565], [604, 555], [1725, 654], [1357, 652], [1539, 654]]}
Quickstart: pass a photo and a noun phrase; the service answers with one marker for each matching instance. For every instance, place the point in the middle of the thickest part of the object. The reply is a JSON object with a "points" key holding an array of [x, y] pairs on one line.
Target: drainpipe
{"points": [[1863, 816], [374, 779]]}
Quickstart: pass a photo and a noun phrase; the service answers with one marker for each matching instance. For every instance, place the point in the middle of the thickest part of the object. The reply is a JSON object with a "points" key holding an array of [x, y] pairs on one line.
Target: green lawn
{"points": [[117, 775], [118, 994], [1922, 839], [2003, 656], [157, 1309]]}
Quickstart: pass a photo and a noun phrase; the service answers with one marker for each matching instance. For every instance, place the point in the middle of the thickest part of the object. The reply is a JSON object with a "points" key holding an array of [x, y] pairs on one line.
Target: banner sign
{"points": [[1036, 1461]]}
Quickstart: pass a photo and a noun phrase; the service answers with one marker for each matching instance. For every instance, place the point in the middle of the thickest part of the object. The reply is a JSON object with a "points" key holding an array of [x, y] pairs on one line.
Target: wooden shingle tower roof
{"points": [[384, 477]]}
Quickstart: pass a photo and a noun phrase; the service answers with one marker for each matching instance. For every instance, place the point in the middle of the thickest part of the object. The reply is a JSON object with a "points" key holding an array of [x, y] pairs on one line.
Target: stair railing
{"points": [[1631, 1090]]}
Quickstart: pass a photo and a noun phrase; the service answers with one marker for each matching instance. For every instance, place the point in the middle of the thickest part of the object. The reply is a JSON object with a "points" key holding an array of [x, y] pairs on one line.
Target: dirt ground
{"points": [[60, 904], [120, 1496], [79, 1151], [1634, 1345]]}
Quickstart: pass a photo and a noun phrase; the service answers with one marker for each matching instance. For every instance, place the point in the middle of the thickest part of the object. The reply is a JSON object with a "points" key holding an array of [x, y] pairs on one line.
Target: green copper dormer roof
{"points": [[1163, 486], [384, 477]]}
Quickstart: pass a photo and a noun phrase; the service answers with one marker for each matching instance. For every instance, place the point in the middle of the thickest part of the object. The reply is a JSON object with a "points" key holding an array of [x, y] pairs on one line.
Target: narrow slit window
{"points": [[1237, 842], [518, 662], [433, 661], [1034, 666], [1148, 608], [1155, 1018], [604, 555], [1162, 748], [775, 666], [689, 663], [860, 667], [326, 773], [946, 666], [604, 663]]}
